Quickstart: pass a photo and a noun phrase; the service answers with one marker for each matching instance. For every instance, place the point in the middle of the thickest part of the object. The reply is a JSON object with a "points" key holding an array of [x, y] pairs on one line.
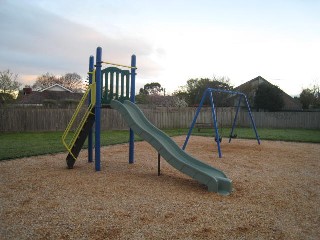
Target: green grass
{"points": [[18, 145], [290, 135]]}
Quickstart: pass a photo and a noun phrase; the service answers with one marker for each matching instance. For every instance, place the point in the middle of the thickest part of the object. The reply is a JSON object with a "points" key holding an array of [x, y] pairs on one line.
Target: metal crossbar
{"points": [[119, 65]]}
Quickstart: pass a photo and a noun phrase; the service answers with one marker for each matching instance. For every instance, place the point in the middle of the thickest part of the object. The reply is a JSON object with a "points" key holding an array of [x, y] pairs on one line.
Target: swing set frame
{"points": [[208, 93]]}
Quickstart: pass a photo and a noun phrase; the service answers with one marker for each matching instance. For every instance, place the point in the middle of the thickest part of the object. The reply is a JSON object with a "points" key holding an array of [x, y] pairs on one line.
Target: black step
{"points": [[77, 146]]}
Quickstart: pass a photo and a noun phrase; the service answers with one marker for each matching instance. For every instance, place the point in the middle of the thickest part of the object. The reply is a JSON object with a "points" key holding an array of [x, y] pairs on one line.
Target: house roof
{"points": [[55, 92], [252, 85], [56, 87], [249, 88]]}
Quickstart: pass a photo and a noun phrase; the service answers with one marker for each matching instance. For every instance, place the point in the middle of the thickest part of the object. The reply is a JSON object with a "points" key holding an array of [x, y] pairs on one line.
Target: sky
{"points": [[173, 41]]}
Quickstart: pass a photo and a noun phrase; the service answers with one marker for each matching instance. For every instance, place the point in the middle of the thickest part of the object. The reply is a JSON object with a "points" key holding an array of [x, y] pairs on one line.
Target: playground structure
{"points": [[115, 88], [116, 85], [208, 93]]}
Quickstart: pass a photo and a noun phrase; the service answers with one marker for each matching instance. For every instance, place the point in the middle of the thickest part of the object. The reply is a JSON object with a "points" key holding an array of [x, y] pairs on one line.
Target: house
{"points": [[56, 88], [55, 95], [249, 88]]}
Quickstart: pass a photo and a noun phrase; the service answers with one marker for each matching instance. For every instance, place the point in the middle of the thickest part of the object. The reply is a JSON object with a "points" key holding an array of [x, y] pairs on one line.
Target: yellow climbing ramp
{"points": [[74, 140]]}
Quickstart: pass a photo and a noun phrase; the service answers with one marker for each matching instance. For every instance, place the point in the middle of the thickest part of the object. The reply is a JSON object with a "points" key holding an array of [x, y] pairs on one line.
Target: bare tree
{"points": [[72, 81], [46, 80], [9, 82]]}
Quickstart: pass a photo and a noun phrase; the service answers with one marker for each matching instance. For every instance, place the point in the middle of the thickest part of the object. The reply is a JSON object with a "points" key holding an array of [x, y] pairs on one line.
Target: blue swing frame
{"points": [[208, 93]]}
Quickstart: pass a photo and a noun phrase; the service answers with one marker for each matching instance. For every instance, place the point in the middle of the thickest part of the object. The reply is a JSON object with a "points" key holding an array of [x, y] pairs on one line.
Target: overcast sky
{"points": [[173, 40]]}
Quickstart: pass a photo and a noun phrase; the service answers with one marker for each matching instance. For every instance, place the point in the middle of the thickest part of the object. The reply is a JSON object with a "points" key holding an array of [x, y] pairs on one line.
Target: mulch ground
{"points": [[276, 194]]}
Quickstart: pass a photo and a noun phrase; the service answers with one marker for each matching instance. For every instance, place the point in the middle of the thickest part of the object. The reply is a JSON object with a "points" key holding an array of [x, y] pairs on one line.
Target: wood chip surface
{"points": [[276, 194]]}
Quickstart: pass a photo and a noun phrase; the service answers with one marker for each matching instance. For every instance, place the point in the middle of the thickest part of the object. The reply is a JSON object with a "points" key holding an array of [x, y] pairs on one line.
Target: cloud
{"points": [[34, 41]]}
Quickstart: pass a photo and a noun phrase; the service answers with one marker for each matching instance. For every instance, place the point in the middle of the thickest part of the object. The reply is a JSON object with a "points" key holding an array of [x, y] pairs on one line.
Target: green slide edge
{"points": [[213, 178]]}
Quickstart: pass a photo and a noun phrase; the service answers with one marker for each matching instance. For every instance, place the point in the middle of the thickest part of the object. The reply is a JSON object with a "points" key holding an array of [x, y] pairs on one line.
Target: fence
{"points": [[38, 119]]}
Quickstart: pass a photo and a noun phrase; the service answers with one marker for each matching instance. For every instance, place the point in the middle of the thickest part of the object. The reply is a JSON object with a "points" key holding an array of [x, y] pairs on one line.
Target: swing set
{"points": [[209, 93]]}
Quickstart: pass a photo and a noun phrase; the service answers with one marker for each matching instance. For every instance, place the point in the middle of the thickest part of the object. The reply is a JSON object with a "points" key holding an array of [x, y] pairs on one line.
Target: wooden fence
{"points": [[38, 119]]}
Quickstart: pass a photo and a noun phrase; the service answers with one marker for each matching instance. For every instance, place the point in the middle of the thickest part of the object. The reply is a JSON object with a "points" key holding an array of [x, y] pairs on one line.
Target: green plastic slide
{"points": [[215, 179]]}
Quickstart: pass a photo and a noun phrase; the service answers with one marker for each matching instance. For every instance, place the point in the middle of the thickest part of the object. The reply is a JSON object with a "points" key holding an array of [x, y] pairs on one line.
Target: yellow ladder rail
{"points": [[91, 89]]}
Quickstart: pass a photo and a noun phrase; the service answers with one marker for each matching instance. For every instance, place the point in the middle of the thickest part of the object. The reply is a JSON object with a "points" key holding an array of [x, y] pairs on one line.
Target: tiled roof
{"points": [[39, 97]]}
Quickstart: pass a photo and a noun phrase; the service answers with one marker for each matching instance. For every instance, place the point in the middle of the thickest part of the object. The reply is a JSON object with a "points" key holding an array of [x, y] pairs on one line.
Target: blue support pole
{"points": [[98, 107], [90, 145], [214, 117], [235, 118], [195, 118], [132, 99], [252, 121]]}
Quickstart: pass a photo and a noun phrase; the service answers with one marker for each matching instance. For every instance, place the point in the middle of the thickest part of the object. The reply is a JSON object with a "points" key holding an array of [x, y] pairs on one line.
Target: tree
{"points": [[306, 98], [9, 82], [141, 98], [268, 97], [152, 88], [181, 95], [72, 81], [46, 80], [193, 91], [143, 92], [310, 97], [148, 89], [6, 98]]}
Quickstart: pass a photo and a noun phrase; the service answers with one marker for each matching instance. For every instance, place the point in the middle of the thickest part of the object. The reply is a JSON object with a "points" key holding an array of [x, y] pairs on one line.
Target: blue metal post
{"points": [[132, 99], [98, 107], [90, 147], [195, 118], [235, 118], [252, 121], [214, 117]]}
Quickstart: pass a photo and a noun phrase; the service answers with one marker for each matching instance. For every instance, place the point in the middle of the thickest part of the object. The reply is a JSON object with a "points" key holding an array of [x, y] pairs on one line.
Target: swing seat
{"points": [[233, 136], [203, 126]]}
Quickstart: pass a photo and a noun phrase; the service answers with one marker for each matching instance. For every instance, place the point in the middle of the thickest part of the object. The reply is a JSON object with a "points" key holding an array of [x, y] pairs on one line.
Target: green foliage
{"points": [[310, 97], [6, 98], [143, 92], [160, 101], [63, 103], [141, 99], [50, 103], [306, 98], [69, 103], [152, 88], [150, 95], [194, 90], [268, 97], [181, 93]]}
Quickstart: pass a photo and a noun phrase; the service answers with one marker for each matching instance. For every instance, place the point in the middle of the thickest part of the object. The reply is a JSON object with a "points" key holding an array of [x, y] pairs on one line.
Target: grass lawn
{"points": [[17, 145], [290, 135]]}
